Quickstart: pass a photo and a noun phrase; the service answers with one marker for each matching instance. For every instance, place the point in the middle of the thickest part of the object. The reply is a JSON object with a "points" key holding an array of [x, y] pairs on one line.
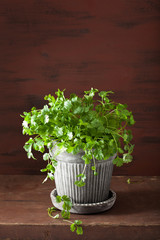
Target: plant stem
{"points": [[67, 221], [111, 112], [84, 168], [115, 141], [94, 160]]}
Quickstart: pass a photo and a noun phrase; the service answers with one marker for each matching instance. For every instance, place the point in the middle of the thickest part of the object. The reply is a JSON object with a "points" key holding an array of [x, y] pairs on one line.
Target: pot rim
{"points": [[76, 158]]}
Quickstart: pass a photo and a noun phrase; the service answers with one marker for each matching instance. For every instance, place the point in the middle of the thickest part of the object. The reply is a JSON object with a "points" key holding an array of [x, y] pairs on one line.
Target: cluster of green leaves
{"points": [[93, 123], [67, 204], [76, 226]]}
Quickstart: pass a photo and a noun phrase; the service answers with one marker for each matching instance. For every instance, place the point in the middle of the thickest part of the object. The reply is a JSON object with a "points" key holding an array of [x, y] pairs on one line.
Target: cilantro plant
{"points": [[99, 127], [92, 123]]}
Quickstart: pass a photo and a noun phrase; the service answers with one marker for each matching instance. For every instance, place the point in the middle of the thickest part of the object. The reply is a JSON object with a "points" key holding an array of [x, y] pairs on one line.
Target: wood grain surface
{"points": [[50, 44], [24, 202]]}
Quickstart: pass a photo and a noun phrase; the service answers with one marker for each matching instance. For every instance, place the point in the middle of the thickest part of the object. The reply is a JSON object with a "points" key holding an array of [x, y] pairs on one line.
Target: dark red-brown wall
{"points": [[109, 45]]}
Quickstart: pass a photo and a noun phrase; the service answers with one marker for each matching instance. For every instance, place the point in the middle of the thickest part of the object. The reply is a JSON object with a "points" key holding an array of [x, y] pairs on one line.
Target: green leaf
{"points": [[132, 121], [82, 176], [127, 158], [46, 156], [104, 93], [130, 136], [108, 131], [60, 93], [70, 135], [46, 119], [70, 149], [65, 198], [93, 168], [98, 153], [79, 230], [78, 110], [51, 99], [67, 104], [59, 131], [39, 145], [65, 214], [79, 183], [77, 148], [30, 155], [73, 97], [53, 208], [125, 137], [78, 222], [131, 148], [120, 106], [50, 175], [58, 199], [28, 147], [126, 147], [44, 170], [67, 206], [50, 167], [128, 180], [91, 92], [73, 227], [25, 124], [86, 159], [120, 150], [118, 161], [54, 162]]}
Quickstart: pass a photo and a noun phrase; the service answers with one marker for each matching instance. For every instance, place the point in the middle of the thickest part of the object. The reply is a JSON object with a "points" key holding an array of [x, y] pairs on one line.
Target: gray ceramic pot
{"points": [[96, 188]]}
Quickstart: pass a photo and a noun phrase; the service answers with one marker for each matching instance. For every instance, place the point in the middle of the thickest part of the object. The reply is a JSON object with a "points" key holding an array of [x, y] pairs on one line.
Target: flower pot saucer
{"points": [[86, 208]]}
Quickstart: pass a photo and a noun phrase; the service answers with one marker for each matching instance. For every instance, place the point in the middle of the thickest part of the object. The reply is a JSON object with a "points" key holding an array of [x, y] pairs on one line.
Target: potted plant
{"points": [[80, 139]]}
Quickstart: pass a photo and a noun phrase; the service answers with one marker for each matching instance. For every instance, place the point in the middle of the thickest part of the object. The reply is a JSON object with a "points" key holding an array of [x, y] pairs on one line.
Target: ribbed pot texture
{"points": [[96, 188]]}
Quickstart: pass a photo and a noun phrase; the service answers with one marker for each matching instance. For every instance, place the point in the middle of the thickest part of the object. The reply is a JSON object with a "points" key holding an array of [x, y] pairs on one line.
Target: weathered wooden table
{"points": [[24, 202]]}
